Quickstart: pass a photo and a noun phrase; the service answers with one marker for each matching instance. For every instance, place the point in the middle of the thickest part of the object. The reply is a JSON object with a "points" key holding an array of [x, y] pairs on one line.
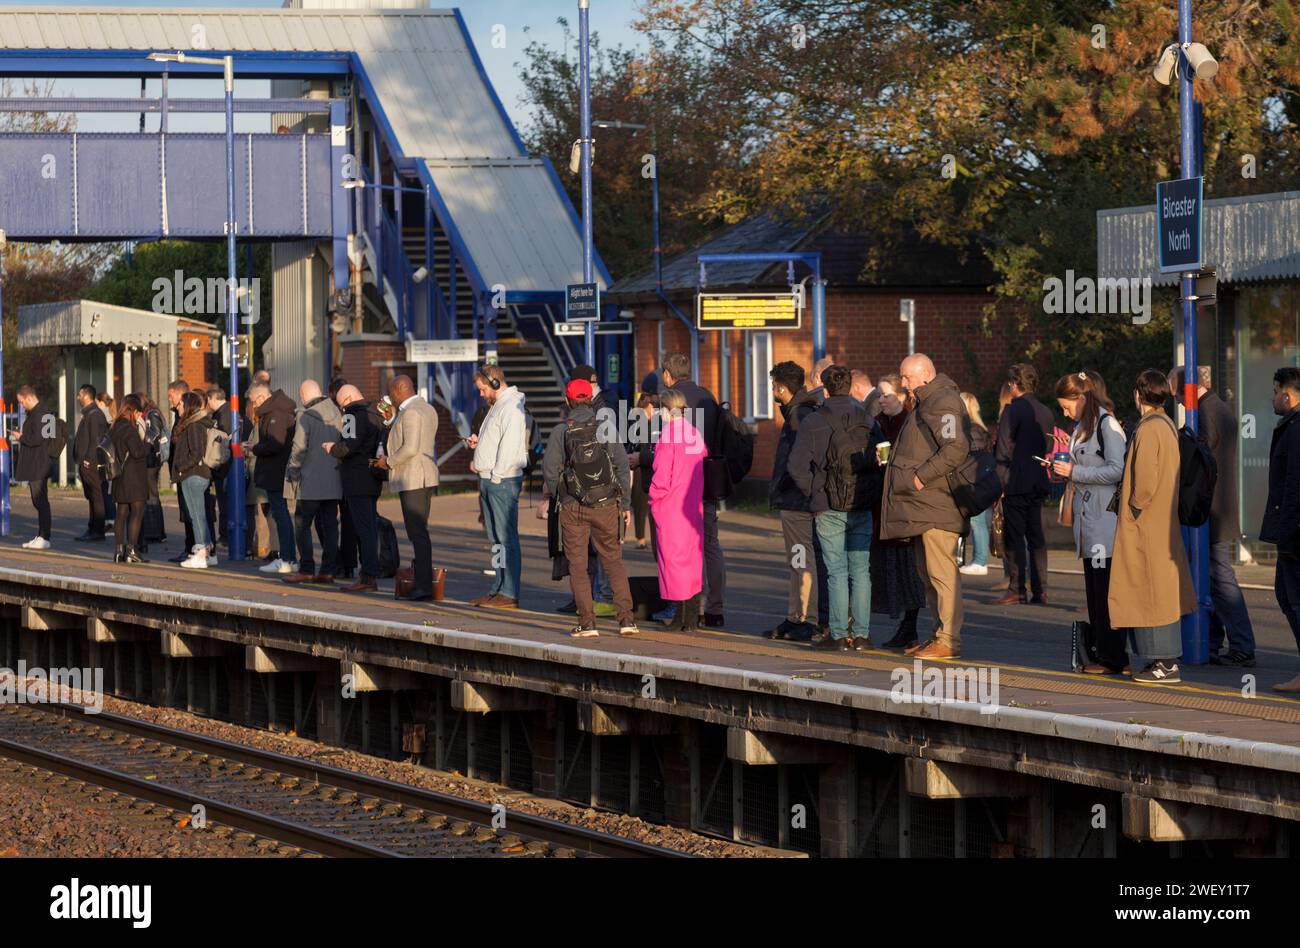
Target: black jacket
{"points": [[90, 431], [783, 492], [1281, 524], [132, 485], [189, 444], [1024, 432], [807, 463], [276, 423], [1219, 428], [364, 422], [704, 410], [34, 453]]}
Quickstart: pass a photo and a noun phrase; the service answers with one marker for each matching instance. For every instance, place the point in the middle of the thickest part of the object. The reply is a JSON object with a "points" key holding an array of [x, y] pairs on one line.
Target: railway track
{"points": [[317, 808]]}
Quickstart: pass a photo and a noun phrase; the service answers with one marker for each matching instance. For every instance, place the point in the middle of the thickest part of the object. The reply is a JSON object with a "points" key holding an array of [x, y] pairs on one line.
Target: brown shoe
{"points": [[501, 602], [1009, 598], [1289, 687], [483, 600], [934, 649], [1097, 670], [296, 578], [323, 579], [364, 584]]}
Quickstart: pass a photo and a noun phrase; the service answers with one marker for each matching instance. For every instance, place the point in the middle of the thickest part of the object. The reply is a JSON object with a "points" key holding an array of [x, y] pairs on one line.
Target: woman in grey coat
{"points": [[1095, 468]]}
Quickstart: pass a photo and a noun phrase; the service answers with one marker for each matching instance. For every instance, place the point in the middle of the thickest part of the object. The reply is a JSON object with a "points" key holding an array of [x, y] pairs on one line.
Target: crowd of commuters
{"points": [[872, 484]]}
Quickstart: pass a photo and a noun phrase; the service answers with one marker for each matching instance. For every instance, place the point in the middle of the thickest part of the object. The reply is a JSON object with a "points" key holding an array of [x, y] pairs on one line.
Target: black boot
{"points": [[133, 556], [905, 635], [675, 624], [690, 612], [120, 555]]}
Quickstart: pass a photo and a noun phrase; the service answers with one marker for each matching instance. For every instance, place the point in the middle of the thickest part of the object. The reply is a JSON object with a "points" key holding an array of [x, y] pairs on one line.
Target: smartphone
{"points": [[1041, 460]]}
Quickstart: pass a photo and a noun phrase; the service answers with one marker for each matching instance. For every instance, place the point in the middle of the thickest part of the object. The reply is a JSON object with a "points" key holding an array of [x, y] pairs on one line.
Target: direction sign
{"points": [[621, 327], [442, 350], [748, 310], [582, 302], [1179, 224]]}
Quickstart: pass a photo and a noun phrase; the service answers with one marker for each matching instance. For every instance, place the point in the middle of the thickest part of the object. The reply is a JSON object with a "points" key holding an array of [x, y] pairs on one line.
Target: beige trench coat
{"points": [[1149, 581]]}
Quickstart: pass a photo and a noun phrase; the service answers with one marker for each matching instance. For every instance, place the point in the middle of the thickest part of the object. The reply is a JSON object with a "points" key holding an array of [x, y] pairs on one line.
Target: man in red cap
{"points": [[585, 469]]}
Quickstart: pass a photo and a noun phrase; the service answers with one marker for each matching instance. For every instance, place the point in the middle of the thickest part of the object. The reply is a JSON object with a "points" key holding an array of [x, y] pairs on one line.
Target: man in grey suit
{"points": [[320, 488], [413, 473]]}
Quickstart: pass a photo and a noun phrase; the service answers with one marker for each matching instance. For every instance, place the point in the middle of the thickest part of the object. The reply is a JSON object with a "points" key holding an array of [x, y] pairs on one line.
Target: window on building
{"points": [[758, 363]]}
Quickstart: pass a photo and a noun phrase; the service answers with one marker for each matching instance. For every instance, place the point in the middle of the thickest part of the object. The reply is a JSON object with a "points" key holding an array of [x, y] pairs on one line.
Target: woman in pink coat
{"points": [[677, 505]]}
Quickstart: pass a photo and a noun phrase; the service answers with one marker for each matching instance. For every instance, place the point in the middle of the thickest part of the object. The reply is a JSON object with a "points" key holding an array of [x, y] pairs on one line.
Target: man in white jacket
{"points": [[500, 455]]}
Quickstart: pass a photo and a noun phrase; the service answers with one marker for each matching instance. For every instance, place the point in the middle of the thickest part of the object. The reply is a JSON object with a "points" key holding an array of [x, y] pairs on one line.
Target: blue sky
{"points": [[612, 19]]}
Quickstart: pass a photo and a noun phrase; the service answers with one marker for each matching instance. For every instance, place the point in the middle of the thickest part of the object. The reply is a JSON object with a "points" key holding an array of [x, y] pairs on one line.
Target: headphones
{"points": [[493, 382]]}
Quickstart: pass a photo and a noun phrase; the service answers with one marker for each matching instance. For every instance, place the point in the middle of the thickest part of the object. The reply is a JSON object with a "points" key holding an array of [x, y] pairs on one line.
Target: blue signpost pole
{"points": [[1195, 625], [584, 65], [235, 479]]}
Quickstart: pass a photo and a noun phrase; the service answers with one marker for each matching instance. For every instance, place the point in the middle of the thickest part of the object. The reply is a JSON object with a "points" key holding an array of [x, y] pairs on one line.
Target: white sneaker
{"points": [[271, 567], [287, 568], [196, 561], [37, 543], [974, 569]]}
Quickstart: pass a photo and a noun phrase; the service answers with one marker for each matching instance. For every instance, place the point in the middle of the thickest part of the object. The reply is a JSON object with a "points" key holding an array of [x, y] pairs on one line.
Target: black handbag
{"points": [[1083, 646]]}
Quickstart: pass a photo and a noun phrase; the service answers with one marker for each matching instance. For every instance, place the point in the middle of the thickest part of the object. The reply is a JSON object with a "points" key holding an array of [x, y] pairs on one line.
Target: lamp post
{"points": [[584, 89], [235, 479]]}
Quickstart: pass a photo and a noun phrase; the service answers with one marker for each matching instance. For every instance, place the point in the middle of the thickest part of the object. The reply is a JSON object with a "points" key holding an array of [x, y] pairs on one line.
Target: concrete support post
{"points": [[329, 708], [546, 773], [837, 790]]}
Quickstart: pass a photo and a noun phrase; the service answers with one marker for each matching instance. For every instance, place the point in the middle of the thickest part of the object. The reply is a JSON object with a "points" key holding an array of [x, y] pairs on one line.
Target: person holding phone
{"points": [[1023, 442]]}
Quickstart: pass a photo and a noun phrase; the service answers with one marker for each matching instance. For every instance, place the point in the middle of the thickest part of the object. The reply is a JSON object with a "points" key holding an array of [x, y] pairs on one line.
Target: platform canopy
{"points": [[86, 323]]}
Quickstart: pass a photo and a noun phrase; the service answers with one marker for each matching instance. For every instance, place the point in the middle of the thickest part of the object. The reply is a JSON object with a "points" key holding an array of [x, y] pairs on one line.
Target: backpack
{"points": [[851, 482], [389, 555], [588, 476], [60, 440], [976, 484], [736, 443], [216, 448], [110, 465], [533, 438], [1197, 475]]}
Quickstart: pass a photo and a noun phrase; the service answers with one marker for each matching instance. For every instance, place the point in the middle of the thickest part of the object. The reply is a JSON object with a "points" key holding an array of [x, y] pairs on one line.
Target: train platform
{"points": [[1221, 739]]}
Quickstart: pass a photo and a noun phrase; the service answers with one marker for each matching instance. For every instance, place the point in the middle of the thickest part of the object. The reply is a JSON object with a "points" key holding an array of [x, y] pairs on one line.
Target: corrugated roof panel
{"points": [[111, 32], [1246, 238], [508, 214], [70, 32]]}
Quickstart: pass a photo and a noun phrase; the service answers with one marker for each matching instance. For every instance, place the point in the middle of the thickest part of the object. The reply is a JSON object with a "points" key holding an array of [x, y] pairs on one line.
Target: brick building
{"points": [[863, 328]]}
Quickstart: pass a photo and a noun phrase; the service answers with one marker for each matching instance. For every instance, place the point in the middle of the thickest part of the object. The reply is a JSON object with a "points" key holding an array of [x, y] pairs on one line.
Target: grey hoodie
{"points": [[315, 472]]}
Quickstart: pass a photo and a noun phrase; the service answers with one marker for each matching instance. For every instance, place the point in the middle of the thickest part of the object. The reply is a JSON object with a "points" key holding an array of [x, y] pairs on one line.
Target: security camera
{"points": [[420, 275], [1167, 68], [1204, 66]]}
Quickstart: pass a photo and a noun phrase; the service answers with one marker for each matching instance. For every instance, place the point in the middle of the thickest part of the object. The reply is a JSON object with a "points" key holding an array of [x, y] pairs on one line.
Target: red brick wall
{"points": [[359, 358], [863, 330], [198, 359]]}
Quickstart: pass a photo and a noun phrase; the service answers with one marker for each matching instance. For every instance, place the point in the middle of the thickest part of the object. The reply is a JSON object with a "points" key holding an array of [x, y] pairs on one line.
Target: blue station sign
{"points": [[1179, 224], [582, 302]]}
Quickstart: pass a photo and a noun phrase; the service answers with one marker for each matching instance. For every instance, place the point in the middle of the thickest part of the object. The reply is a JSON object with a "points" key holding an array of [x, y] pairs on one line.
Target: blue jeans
{"points": [[500, 504], [979, 538], [283, 524], [846, 549], [1229, 606], [195, 491]]}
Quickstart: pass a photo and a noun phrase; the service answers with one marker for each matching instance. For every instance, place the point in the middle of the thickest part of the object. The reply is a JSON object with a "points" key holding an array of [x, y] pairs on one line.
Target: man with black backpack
{"points": [[588, 475], [43, 438], [833, 462]]}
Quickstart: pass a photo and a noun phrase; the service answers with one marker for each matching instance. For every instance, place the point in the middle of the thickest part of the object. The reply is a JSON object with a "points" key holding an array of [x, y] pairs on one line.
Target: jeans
{"points": [[1159, 642], [715, 563], [500, 503], [979, 538], [283, 524], [364, 520], [1286, 585], [846, 549], [415, 516], [194, 491], [1228, 613], [324, 514]]}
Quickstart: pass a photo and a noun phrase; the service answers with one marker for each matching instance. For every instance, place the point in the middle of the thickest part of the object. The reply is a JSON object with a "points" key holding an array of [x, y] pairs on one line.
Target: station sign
{"points": [[1179, 224], [619, 327], [749, 310], [582, 302], [442, 350]]}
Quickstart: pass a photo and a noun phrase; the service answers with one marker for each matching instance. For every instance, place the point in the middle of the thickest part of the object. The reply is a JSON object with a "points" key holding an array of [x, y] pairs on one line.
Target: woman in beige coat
{"points": [[1150, 587]]}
